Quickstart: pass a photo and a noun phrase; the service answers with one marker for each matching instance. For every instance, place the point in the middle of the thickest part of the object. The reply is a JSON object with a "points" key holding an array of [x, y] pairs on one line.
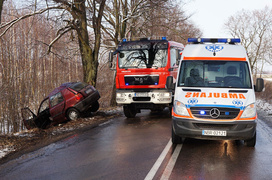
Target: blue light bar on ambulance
{"points": [[212, 40], [164, 38]]}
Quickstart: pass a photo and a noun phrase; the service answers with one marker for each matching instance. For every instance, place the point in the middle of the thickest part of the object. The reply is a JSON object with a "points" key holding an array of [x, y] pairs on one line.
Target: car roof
{"points": [[61, 87]]}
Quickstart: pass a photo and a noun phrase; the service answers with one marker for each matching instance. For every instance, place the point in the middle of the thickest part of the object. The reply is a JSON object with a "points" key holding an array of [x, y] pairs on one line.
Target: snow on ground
{"points": [[5, 151], [264, 106]]}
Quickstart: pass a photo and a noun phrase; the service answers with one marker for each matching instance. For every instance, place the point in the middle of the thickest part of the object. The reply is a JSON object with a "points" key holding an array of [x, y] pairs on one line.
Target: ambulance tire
{"points": [[129, 111], [251, 142], [175, 138]]}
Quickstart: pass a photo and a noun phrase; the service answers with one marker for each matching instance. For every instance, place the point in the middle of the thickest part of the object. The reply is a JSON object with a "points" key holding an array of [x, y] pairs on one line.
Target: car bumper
{"points": [[235, 130], [87, 102]]}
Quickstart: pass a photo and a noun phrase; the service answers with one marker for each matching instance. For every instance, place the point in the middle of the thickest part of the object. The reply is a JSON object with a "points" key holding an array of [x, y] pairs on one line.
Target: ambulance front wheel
{"points": [[129, 111], [175, 138]]}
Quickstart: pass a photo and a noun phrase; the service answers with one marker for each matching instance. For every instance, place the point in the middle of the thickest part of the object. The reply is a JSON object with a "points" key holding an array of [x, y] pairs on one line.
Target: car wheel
{"points": [[175, 138], [251, 142], [95, 106], [129, 111], [72, 114]]}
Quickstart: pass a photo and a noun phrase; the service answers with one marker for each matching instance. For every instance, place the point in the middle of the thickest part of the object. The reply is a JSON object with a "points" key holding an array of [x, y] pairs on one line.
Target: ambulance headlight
{"points": [[180, 109], [249, 111]]}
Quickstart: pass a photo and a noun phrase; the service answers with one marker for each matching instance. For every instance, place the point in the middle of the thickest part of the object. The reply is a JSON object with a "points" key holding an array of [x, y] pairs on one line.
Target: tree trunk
{"points": [[89, 56], [1, 8]]}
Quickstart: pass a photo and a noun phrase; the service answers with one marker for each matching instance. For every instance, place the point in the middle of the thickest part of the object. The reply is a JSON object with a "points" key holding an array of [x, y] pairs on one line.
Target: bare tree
{"points": [[27, 72], [254, 28], [76, 10]]}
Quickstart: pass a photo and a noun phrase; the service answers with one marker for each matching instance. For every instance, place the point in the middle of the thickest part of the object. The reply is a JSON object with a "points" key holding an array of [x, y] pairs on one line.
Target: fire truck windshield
{"points": [[142, 58]]}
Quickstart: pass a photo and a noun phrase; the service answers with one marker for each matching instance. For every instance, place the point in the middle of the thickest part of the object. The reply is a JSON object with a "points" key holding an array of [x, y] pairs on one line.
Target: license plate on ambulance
{"points": [[214, 133]]}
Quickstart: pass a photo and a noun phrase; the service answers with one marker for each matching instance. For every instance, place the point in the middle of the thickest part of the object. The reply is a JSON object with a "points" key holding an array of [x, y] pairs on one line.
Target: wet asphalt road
{"points": [[140, 148]]}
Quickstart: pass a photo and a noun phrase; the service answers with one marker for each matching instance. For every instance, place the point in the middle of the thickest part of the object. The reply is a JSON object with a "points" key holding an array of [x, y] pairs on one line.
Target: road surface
{"points": [[140, 148]]}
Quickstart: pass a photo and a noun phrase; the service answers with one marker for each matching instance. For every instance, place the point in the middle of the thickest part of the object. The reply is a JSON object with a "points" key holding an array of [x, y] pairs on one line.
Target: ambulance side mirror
{"points": [[169, 83], [259, 85]]}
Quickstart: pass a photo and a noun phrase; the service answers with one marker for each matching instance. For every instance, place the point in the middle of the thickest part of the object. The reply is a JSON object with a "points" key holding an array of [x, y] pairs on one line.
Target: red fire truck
{"points": [[142, 68]]}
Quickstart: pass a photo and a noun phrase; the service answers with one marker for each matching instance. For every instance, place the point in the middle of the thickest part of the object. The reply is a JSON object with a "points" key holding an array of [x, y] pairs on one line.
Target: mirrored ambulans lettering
{"points": [[214, 95]]}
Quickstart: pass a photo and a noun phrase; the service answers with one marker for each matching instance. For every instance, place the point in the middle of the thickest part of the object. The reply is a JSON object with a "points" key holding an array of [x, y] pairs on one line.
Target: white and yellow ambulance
{"points": [[214, 93]]}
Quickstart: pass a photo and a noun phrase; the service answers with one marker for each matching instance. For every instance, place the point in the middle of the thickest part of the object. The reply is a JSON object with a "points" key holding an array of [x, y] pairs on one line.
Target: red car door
{"points": [[57, 104]]}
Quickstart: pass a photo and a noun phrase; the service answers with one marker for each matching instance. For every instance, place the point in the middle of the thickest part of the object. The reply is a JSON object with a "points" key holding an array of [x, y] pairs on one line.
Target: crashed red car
{"points": [[66, 102]]}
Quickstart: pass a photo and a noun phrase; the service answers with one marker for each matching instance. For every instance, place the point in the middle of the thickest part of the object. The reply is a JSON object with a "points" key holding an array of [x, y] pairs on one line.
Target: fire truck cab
{"points": [[142, 68]]}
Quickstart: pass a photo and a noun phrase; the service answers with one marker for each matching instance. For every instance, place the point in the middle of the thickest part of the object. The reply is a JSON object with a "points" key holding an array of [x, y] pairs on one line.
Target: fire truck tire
{"points": [[129, 111], [170, 111]]}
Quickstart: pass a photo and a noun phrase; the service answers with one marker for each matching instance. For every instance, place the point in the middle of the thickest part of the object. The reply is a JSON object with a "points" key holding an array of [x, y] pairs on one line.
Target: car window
{"points": [[44, 105], [56, 99], [78, 86]]}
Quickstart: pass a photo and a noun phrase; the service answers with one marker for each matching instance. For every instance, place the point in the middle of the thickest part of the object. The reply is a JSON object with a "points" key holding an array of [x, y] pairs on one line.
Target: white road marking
{"points": [[157, 164], [169, 168]]}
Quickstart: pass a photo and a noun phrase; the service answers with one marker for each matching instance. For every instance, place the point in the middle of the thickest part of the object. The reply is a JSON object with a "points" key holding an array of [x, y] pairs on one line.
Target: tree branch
{"points": [[57, 38], [13, 22]]}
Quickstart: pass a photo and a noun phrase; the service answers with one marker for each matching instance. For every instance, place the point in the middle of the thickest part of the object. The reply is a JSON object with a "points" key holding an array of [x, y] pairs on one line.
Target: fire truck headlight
{"points": [[180, 109], [120, 97], [249, 111], [166, 96]]}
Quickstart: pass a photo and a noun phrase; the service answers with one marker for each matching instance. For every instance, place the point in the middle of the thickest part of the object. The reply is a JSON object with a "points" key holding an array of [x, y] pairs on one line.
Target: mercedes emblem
{"points": [[214, 113]]}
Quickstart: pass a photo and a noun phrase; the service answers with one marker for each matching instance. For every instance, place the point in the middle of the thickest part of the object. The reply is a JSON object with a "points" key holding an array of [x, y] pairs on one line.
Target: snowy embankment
{"points": [[5, 151], [264, 106], [7, 148]]}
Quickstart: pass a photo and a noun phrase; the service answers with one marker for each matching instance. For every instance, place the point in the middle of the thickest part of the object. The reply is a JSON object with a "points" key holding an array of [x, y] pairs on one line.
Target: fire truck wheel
{"points": [[170, 111], [129, 111]]}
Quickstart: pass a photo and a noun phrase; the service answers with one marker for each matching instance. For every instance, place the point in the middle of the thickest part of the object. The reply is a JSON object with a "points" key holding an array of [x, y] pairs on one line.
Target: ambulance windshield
{"points": [[224, 74]]}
